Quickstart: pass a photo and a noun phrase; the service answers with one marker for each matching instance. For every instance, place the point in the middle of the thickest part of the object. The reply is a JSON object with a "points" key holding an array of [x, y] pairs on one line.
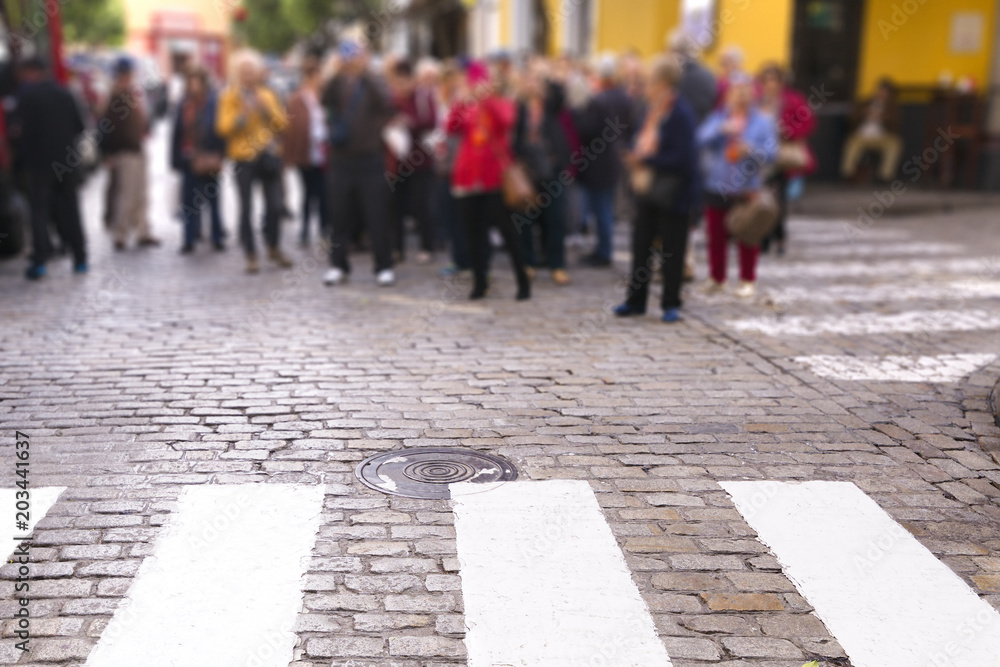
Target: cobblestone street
{"points": [[867, 357]]}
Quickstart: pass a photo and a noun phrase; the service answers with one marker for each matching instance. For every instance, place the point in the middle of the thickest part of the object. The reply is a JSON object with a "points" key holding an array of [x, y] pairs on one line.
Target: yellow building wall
{"points": [[635, 24], [920, 50], [761, 28]]}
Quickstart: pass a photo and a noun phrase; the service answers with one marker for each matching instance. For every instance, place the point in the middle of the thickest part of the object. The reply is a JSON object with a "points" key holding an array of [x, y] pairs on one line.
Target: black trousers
{"points": [[313, 199], [359, 180], [779, 182], [652, 222], [413, 197], [55, 202], [479, 212], [248, 173]]}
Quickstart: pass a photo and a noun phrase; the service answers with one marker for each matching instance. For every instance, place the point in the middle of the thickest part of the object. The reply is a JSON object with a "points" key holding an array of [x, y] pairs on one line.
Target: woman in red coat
{"points": [[483, 121], [795, 122]]}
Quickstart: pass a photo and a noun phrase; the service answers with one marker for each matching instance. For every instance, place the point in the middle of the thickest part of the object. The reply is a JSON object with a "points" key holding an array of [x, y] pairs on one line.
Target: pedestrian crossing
{"points": [[223, 586], [857, 287], [881, 593], [40, 501], [543, 579]]}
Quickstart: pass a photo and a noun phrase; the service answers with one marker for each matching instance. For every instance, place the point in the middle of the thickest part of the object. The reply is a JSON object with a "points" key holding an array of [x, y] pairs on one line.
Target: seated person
{"points": [[875, 127]]}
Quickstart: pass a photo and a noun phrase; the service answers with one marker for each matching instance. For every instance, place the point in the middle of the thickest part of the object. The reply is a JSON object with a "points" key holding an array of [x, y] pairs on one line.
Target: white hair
{"points": [[241, 59]]}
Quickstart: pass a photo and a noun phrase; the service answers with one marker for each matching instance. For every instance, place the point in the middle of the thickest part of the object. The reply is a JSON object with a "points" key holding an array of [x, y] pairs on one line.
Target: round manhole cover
{"points": [[427, 472]]}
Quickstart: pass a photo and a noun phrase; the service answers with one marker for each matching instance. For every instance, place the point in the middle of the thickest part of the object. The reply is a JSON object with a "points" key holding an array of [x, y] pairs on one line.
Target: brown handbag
{"points": [[518, 191], [792, 156], [206, 163], [750, 221]]}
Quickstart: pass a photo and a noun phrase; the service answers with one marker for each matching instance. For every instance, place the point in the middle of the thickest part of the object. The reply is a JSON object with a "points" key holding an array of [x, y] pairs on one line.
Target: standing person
{"points": [[127, 121], [697, 85], [665, 157], [738, 143], [250, 118], [483, 120], [446, 146], [540, 144], [795, 122], [600, 176], [196, 151], [875, 126], [45, 121], [699, 89], [305, 145], [417, 113], [730, 66], [358, 109]]}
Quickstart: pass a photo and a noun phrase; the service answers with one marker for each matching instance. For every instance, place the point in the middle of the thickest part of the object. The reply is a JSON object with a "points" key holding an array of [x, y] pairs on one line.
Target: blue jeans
{"points": [[196, 192], [601, 203]]}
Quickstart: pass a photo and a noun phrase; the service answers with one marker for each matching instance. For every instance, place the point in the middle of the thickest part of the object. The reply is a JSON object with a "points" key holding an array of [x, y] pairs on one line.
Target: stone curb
{"points": [[994, 402]]}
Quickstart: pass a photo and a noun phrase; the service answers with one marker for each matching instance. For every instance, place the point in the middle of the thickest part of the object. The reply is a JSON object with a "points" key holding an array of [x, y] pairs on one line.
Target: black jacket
{"points": [[544, 161], [45, 126], [364, 111], [607, 120]]}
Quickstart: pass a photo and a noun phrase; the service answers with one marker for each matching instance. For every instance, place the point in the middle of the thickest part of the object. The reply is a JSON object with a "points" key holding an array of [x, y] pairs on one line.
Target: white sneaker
{"points": [[711, 288], [746, 290], [423, 257], [385, 278], [334, 276]]}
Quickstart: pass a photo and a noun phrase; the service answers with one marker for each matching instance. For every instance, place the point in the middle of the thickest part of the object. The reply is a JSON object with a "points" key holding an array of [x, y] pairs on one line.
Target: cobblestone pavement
{"points": [[158, 371]]}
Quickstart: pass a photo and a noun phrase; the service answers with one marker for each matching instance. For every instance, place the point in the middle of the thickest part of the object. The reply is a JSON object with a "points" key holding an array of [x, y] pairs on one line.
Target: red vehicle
{"points": [[27, 28]]}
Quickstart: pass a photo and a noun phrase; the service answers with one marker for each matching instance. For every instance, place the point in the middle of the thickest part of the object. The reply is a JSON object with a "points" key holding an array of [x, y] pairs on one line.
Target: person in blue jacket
{"points": [[664, 167], [738, 144], [196, 151]]}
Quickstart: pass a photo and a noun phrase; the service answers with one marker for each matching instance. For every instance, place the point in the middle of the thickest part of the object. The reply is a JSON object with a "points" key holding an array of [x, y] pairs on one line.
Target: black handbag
{"points": [[663, 191]]}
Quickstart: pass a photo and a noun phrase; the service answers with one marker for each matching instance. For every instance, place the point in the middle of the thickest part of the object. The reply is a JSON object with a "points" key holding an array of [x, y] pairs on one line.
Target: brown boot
{"points": [[279, 258], [252, 265]]}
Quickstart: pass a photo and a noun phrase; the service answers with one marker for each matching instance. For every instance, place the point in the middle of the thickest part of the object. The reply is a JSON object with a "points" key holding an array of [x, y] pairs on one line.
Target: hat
{"points": [[477, 73], [124, 65]]}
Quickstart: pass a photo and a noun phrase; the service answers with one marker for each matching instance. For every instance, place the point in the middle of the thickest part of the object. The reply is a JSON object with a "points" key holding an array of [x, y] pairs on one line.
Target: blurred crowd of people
{"points": [[549, 152]]}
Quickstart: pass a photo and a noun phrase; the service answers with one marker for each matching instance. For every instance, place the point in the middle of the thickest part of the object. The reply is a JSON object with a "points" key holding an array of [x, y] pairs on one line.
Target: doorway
{"points": [[825, 46]]}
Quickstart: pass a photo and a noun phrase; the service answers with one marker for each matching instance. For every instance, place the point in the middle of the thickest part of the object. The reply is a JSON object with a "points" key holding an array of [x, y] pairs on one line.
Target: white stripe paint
{"points": [[923, 321], [943, 368], [41, 500], [958, 289], [544, 581], [882, 249], [222, 587], [882, 594], [910, 268]]}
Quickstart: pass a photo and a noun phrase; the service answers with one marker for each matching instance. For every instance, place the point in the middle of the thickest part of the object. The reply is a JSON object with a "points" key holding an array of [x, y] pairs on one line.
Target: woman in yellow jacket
{"points": [[251, 118]]}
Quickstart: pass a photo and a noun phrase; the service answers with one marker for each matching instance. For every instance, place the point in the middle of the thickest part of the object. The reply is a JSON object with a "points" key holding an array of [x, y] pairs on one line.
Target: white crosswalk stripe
{"points": [[942, 368], [882, 594], [943, 291], [223, 586], [545, 582], [914, 321]]}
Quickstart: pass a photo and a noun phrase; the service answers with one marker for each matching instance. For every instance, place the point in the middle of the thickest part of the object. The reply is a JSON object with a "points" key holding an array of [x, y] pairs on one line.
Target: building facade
{"points": [[183, 31]]}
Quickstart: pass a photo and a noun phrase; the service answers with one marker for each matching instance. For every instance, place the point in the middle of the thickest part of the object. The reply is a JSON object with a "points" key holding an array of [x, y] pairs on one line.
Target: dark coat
{"points": [[126, 122], [610, 113], [45, 125], [677, 153], [698, 88], [206, 138], [546, 161], [366, 117]]}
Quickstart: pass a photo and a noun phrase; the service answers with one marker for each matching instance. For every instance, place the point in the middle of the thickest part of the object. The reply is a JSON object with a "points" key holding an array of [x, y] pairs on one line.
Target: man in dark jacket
{"points": [[605, 126], [697, 86], [358, 108], [124, 127], [45, 127]]}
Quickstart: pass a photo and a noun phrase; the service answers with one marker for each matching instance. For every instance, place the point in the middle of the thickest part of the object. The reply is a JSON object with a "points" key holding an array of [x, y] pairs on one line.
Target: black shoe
{"points": [[219, 246], [596, 261], [35, 272], [149, 242], [524, 292], [478, 293], [625, 310], [187, 249]]}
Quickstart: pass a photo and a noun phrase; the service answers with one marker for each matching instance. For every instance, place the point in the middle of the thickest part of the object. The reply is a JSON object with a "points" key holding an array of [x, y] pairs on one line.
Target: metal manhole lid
{"points": [[427, 472]]}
